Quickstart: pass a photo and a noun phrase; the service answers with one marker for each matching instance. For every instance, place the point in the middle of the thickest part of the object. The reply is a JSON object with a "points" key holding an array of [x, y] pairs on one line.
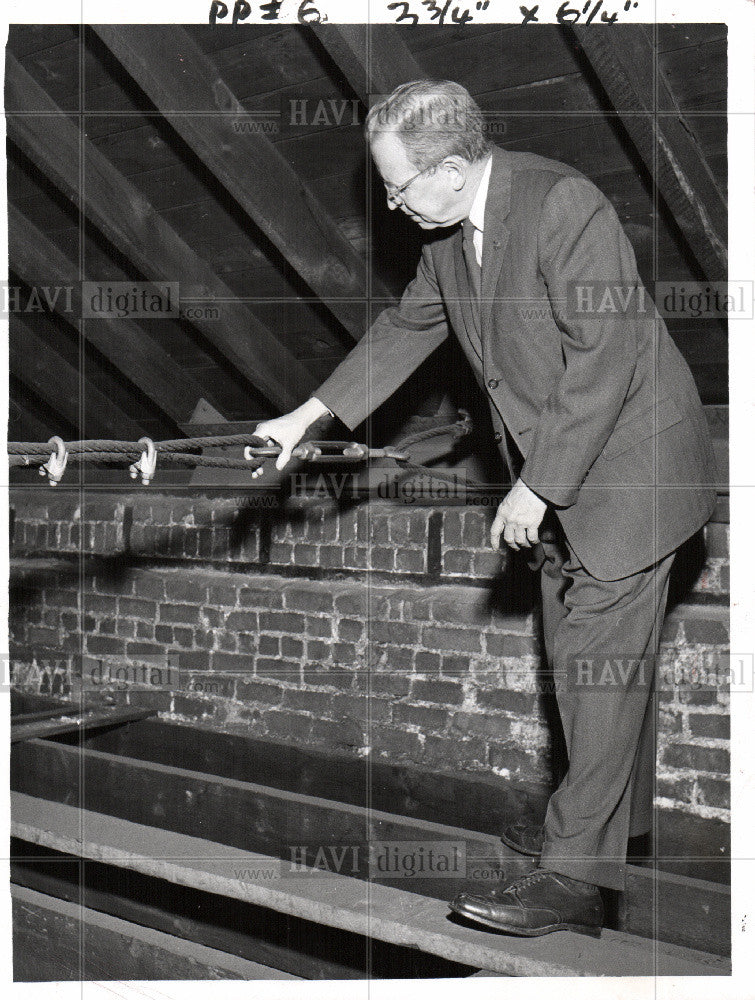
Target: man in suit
{"points": [[593, 402]]}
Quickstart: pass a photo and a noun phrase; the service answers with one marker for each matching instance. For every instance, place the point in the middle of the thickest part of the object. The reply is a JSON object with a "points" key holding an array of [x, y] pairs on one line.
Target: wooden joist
{"points": [[54, 144], [245, 815], [36, 363], [140, 358], [374, 60], [23, 423], [56, 940], [625, 63], [179, 78], [478, 802], [373, 910], [272, 821], [273, 940]]}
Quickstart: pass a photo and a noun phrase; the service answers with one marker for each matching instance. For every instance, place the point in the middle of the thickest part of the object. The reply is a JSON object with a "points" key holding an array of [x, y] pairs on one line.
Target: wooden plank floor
{"points": [[366, 908]]}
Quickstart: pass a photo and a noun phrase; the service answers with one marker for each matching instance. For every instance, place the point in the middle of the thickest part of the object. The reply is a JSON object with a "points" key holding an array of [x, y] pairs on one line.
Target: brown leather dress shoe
{"points": [[537, 903]]}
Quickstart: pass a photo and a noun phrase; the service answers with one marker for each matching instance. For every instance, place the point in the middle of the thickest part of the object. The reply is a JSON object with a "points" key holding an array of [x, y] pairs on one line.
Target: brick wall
{"points": [[379, 628]]}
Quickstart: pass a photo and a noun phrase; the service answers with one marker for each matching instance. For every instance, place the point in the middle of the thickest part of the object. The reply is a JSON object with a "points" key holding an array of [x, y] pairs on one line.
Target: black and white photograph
{"points": [[372, 619]]}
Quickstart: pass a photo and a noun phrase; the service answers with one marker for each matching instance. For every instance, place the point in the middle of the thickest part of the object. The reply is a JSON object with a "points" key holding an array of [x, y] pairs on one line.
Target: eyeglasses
{"points": [[395, 194]]}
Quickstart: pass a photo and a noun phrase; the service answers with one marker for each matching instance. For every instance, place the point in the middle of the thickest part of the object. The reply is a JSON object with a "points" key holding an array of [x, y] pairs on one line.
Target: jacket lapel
{"points": [[496, 235], [463, 290]]}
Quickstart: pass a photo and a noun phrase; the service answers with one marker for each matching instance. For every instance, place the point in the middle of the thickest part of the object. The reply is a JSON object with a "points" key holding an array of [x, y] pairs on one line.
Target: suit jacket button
{"points": [[498, 437], [493, 383]]}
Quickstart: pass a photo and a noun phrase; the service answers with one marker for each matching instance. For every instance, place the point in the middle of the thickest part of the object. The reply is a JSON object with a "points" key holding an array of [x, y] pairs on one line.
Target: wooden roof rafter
{"points": [[36, 260], [626, 66], [178, 77], [37, 364], [49, 138], [25, 415], [373, 62]]}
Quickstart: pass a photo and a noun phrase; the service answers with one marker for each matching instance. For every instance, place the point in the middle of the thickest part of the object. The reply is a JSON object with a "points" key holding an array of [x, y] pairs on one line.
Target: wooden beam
{"points": [[248, 816], [371, 909], [471, 801], [23, 718], [179, 79], [48, 420], [141, 359], [36, 363], [251, 933], [474, 802], [626, 65], [255, 817], [57, 940], [23, 423], [54, 144], [275, 941], [373, 60]]}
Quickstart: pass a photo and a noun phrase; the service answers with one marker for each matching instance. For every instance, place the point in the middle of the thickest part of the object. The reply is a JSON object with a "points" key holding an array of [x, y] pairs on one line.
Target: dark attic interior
{"points": [[269, 681]]}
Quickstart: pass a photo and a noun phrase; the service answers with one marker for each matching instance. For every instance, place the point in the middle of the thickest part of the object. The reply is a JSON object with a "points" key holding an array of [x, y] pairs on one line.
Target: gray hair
{"points": [[433, 119]]}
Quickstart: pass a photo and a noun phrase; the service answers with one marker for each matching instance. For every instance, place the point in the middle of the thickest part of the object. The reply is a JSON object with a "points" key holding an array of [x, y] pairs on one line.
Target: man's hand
{"points": [[518, 517], [288, 430]]}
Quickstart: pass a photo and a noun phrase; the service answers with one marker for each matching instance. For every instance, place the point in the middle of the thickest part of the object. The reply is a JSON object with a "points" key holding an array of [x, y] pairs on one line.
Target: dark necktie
{"points": [[474, 274]]}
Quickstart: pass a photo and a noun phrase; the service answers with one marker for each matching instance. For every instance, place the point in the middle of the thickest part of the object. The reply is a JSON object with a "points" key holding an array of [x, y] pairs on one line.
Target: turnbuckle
{"points": [[327, 451]]}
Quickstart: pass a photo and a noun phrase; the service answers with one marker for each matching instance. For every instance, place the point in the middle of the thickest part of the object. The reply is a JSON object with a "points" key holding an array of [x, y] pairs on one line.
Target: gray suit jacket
{"points": [[602, 405]]}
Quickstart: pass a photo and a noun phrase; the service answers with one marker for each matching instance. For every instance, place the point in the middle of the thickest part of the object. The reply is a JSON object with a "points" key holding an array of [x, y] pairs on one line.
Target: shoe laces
{"points": [[527, 879]]}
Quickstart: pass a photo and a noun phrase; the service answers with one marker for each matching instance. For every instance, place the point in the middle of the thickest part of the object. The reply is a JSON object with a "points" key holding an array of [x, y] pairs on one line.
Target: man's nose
{"points": [[392, 204]]}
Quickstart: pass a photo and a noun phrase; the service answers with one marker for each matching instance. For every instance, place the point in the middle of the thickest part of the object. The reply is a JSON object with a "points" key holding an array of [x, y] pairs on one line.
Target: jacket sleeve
{"points": [[397, 343], [581, 243]]}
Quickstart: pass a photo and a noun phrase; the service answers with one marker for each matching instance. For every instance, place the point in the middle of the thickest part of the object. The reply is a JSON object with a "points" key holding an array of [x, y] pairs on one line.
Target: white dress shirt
{"points": [[477, 211]]}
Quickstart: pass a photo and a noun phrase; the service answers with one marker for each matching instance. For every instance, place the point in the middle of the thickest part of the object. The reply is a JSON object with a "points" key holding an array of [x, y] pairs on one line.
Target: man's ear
{"points": [[458, 167]]}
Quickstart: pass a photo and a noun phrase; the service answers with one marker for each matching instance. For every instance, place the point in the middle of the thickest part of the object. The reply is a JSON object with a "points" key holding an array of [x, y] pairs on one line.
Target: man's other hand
{"points": [[288, 430], [518, 518]]}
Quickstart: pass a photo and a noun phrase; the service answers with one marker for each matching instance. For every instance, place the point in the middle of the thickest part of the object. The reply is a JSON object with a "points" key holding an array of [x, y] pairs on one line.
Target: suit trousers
{"points": [[601, 640]]}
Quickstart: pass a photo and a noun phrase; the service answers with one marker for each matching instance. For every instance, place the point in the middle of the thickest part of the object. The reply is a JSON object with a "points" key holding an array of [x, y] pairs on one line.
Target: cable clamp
{"points": [[56, 465], [146, 465]]}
